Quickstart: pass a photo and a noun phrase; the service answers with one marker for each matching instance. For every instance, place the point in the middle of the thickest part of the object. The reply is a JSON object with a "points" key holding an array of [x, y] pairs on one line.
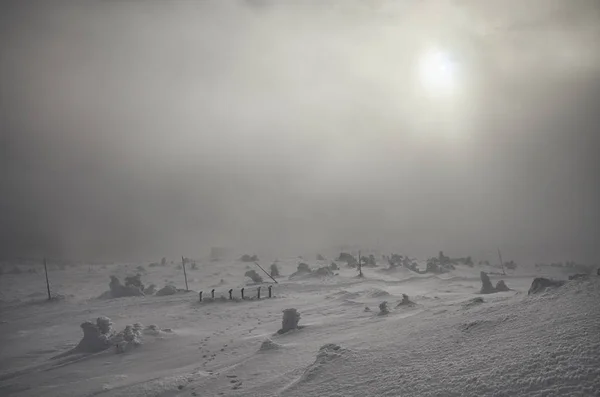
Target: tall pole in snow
{"points": [[501, 263], [359, 265], [184, 273], [47, 282]]}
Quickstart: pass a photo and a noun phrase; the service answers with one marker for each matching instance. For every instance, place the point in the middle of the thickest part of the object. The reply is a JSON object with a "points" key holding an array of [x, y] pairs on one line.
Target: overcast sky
{"points": [[133, 129]]}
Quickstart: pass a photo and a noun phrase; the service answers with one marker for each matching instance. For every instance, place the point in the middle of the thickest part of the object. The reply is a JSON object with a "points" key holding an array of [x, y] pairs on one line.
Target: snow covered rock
{"points": [[540, 284], [501, 286], [134, 281], [96, 337], [269, 345], [578, 276], [323, 272], [150, 290], [405, 301], [303, 269], [167, 290]]}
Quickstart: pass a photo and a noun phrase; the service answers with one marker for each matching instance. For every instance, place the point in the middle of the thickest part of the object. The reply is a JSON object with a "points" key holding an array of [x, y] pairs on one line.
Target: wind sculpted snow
{"points": [[441, 345]]}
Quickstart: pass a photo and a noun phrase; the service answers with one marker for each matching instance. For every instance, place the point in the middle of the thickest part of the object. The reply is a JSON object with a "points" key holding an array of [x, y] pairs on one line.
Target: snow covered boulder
{"points": [[501, 286], [268, 345], [167, 290], [541, 284], [303, 269], [96, 337], [334, 266], [579, 276], [322, 272], [150, 290], [291, 317], [405, 301], [134, 281]]}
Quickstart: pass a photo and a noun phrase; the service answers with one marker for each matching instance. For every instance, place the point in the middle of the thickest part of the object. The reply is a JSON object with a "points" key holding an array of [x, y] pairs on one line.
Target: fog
{"points": [[139, 129]]}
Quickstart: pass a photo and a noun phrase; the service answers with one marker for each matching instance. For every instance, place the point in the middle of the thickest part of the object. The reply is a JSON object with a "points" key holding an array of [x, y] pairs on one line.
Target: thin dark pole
{"points": [[266, 273], [47, 282], [184, 273], [501, 263], [359, 265]]}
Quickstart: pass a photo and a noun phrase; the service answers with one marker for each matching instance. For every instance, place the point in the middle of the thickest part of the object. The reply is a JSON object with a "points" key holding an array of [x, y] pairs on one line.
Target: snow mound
{"points": [[557, 354], [377, 293], [473, 302], [269, 345], [327, 356], [345, 295]]}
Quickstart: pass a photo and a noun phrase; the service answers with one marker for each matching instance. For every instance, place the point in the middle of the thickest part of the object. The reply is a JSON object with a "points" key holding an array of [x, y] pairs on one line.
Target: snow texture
{"points": [[448, 341]]}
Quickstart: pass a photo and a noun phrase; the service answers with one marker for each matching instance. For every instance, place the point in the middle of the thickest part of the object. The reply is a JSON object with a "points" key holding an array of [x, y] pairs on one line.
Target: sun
{"points": [[437, 73]]}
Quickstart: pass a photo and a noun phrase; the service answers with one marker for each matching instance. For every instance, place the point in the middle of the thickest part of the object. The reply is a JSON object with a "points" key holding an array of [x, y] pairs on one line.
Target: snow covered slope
{"points": [[447, 344]]}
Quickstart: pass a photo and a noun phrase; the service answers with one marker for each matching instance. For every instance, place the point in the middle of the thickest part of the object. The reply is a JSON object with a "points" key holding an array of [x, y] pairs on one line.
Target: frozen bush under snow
{"points": [[291, 317], [252, 274]]}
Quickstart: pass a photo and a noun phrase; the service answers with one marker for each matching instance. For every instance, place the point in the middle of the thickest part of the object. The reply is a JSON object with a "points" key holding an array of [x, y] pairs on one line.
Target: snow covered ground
{"points": [[511, 344]]}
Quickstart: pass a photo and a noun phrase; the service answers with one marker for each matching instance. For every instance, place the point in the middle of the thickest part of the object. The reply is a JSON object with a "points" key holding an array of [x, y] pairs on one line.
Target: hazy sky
{"points": [[133, 129]]}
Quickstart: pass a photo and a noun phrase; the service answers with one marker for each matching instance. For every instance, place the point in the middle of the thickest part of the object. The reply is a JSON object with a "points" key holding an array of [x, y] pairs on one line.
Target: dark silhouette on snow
{"points": [[252, 274], [383, 309], [291, 317], [488, 288]]}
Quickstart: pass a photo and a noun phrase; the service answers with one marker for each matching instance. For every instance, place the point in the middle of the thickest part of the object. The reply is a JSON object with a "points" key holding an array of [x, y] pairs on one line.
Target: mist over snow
{"points": [[139, 129]]}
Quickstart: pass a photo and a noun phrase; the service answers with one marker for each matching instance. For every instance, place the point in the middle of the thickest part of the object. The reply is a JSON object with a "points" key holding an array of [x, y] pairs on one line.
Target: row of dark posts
{"points": [[212, 293]]}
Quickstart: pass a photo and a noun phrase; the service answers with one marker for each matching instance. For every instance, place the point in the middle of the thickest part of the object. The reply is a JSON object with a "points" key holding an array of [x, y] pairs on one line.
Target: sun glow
{"points": [[437, 73]]}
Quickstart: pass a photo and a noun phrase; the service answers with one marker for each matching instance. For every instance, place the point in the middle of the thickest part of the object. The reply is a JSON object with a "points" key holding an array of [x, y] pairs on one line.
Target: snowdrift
{"points": [[544, 345]]}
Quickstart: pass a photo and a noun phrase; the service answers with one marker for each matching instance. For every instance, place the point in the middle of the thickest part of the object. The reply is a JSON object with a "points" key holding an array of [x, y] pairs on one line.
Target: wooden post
{"points": [[501, 263], [270, 294], [200, 295], [242, 291], [258, 293], [184, 273], [359, 265], [266, 273], [47, 282], [212, 293]]}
